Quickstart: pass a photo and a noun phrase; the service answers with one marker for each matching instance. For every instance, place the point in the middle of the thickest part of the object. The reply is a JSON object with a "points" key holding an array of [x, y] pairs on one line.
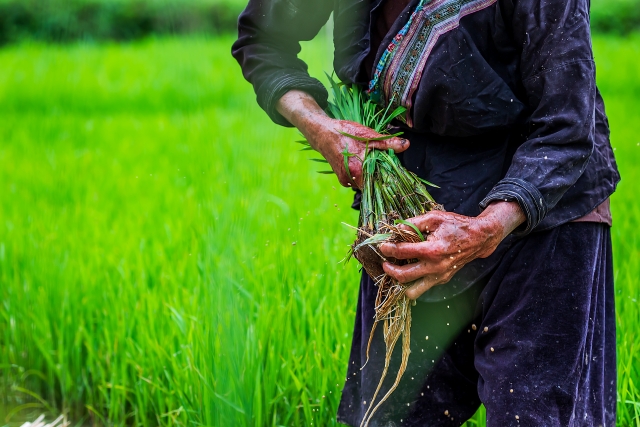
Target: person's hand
{"points": [[324, 135], [334, 146], [453, 240]]}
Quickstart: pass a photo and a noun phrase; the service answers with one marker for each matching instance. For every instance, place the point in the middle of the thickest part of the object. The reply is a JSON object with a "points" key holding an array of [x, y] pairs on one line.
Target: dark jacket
{"points": [[506, 108]]}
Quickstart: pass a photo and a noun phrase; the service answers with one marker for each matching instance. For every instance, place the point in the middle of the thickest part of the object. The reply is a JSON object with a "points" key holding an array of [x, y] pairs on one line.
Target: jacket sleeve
{"points": [[269, 35], [558, 75]]}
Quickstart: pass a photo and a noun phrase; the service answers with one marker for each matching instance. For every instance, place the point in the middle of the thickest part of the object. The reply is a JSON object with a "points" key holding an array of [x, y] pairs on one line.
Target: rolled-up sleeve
{"points": [[558, 77], [269, 35]]}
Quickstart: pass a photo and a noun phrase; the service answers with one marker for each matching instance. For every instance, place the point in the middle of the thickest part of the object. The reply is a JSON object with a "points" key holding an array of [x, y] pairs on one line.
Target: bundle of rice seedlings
{"points": [[390, 195]]}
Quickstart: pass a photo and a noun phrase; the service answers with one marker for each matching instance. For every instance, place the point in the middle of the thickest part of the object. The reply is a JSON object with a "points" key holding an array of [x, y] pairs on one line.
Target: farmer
{"points": [[514, 284]]}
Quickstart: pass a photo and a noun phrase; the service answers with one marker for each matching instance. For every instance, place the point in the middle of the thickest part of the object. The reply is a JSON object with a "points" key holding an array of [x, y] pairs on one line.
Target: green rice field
{"points": [[169, 257]]}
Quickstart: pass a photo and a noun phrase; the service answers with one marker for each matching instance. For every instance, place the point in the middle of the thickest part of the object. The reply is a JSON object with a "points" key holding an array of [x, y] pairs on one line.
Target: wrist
{"points": [[499, 219], [302, 111]]}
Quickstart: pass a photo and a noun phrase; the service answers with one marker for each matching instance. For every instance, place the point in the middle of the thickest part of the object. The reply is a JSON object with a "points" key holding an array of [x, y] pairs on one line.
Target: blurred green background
{"points": [[167, 255], [66, 20]]}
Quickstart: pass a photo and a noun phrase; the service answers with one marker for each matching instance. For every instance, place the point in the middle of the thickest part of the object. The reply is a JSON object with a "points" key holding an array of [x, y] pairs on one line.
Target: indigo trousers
{"points": [[534, 342]]}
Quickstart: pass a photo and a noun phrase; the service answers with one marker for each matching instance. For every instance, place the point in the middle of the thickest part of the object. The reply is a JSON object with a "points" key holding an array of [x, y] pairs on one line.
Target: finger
{"points": [[410, 272], [356, 129], [355, 169], [396, 144], [421, 286], [343, 177], [429, 221], [356, 179], [422, 250]]}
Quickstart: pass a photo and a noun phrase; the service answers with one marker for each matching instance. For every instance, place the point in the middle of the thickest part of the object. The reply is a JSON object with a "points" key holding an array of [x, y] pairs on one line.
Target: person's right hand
{"points": [[333, 145], [323, 133]]}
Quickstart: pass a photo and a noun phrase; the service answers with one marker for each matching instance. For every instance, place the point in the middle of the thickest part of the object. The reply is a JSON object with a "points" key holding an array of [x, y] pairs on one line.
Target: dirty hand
{"points": [[323, 133], [453, 241]]}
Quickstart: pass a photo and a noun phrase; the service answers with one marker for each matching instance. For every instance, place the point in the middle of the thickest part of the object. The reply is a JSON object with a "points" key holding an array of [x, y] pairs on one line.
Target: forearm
{"points": [[302, 111]]}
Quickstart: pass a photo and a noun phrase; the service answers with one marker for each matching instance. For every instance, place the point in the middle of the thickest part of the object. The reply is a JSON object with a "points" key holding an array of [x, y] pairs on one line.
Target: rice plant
{"points": [[148, 211], [390, 195]]}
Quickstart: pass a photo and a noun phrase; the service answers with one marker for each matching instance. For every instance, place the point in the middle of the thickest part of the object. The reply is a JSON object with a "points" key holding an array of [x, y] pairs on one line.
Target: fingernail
{"points": [[386, 246]]}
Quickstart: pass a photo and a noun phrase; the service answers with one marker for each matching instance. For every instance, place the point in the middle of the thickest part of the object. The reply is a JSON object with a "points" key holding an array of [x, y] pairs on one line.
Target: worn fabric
{"points": [[399, 72], [600, 214], [382, 21], [517, 73], [534, 342]]}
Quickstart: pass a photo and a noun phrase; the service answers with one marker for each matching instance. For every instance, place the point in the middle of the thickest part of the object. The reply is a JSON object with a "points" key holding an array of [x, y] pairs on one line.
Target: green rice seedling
{"points": [[390, 195]]}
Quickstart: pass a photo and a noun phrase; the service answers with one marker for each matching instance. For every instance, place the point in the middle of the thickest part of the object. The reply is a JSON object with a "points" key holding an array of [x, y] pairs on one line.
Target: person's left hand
{"points": [[453, 241]]}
